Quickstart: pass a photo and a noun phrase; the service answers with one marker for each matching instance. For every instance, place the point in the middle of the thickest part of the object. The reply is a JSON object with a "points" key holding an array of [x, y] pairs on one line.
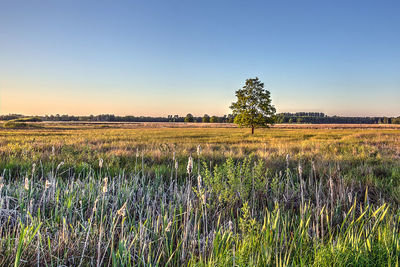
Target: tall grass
{"points": [[122, 197], [239, 213]]}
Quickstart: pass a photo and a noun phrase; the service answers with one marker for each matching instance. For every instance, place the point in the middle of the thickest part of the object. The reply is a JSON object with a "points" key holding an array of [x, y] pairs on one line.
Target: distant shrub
{"points": [[19, 125], [28, 119]]}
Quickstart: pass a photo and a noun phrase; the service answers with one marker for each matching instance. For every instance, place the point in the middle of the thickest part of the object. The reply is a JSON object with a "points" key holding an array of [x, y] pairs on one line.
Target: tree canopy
{"points": [[253, 107], [189, 118]]}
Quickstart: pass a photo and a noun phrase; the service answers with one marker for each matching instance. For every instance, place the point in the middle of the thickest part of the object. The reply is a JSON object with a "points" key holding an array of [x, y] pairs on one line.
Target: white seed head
{"points": [[105, 180], [137, 152], [47, 185], [300, 169], [173, 156], [203, 198], [230, 225], [176, 164], [287, 160], [168, 228], [101, 163], [59, 165], [198, 150], [122, 210], [190, 165], [199, 180], [95, 204], [26, 186]]}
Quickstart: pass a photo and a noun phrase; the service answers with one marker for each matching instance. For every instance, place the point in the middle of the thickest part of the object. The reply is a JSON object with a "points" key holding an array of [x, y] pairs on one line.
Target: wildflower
{"points": [[47, 185], [26, 183], [105, 180], [101, 163], [198, 150], [122, 210], [190, 165]]}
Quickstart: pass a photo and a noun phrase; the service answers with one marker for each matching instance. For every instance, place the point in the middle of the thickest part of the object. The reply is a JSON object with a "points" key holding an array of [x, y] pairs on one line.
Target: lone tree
{"points": [[253, 107]]}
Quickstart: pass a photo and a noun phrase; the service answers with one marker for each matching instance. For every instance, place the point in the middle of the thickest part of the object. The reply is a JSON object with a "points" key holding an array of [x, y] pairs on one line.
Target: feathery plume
{"points": [[287, 161], [59, 165], [33, 168], [95, 204], [47, 185], [101, 163], [105, 180], [198, 150], [122, 210], [26, 186], [300, 170], [190, 165], [230, 226], [168, 228], [199, 181]]}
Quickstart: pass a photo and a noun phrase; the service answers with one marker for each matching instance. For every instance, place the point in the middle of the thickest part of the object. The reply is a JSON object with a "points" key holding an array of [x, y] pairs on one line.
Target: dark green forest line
{"points": [[298, 117]]}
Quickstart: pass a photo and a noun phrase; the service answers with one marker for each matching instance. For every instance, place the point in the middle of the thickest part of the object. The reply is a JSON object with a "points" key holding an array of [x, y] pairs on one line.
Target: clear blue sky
{"points": [[175, 57]]}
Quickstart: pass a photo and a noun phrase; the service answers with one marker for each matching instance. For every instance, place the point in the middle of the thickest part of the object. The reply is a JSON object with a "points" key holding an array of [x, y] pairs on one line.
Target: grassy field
{"points": [[87, 194]]}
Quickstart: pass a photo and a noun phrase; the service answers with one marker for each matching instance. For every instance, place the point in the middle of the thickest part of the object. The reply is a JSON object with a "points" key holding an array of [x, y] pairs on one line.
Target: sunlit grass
{"points": [[282, 197]]}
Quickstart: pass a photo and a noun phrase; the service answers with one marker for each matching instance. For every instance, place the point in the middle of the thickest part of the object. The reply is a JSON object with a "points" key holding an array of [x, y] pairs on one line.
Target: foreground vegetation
{"points": [[94, 195]]}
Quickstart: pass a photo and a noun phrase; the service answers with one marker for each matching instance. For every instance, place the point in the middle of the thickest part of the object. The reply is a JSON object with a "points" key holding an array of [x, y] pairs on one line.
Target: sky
{"points": [[157, 58]]}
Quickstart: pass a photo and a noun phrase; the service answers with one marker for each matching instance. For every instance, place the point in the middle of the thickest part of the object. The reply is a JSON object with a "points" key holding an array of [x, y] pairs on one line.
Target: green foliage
{"points": [[235, 183], [214, 119], [13, 124], [28, 119], [334, 201], [205, 118], [396, 120], [253, 107], [189, 118]]}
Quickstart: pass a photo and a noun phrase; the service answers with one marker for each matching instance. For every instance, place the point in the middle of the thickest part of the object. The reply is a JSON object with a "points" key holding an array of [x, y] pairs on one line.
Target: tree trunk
{"points": [[252, 129]]}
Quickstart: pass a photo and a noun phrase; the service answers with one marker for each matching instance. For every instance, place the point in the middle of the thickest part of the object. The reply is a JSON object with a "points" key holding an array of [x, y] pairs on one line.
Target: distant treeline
{"points": [[310, 117], [299, 117]]}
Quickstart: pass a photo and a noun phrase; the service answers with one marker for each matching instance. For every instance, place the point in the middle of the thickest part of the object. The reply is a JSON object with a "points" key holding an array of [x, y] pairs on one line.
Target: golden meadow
{"points": [[178, 194]]}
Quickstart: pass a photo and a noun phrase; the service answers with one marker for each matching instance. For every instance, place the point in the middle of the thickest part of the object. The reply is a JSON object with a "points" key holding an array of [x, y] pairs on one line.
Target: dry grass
{"points": [[284, 196]]}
